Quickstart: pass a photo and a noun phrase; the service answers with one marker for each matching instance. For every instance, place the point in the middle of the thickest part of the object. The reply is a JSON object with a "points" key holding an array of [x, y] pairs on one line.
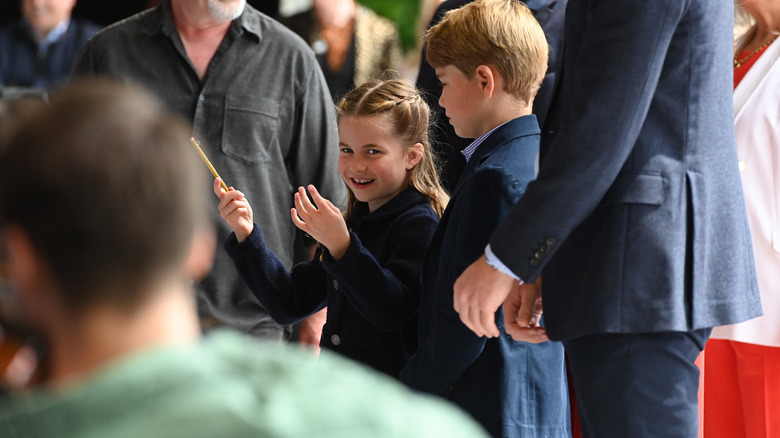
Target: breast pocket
{"points": [[250, 129]]}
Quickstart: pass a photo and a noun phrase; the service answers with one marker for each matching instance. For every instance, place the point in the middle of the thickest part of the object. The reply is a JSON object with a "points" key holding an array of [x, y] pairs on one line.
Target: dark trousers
{"points": [[637, 385]]}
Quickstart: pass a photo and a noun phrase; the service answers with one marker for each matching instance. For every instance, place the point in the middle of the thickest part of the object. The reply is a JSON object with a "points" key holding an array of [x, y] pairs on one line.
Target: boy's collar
{"points": [[470, 149]]}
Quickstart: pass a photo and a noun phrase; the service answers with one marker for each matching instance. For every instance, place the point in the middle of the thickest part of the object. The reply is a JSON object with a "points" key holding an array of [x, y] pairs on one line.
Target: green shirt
{"points": [[231, 386]]}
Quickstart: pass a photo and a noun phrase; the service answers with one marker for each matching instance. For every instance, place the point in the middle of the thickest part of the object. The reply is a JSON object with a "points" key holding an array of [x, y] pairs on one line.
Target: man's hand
{"points": [[523, 311], [310, 331], [479, 291]]}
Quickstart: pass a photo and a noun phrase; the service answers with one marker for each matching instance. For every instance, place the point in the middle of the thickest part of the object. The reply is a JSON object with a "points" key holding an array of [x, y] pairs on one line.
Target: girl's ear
{"points": [[413, 155]]}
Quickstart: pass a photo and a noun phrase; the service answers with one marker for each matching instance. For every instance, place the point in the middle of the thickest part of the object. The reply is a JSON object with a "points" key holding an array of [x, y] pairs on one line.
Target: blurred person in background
{"points": [[261, 108], [39, 49], [352, 43], [742, 361]]}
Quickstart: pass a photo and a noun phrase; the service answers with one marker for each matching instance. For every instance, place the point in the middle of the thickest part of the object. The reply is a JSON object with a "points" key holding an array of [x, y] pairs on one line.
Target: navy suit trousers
{"points": [[637, 385]]}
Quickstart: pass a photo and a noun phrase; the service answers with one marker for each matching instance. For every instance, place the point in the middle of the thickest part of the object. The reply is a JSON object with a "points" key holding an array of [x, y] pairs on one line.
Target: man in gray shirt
{"points": [[260, 107]]}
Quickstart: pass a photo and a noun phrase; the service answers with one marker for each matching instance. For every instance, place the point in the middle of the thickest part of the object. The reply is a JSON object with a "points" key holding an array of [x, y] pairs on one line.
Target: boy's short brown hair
{"points": [[500, 33], [108, 189]]}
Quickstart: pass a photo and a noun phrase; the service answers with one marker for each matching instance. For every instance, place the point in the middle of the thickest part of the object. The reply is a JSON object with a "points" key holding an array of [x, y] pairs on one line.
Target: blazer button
{"points": [[534, 263], [550, 241], [335, 340], [544, 248], [335, 285], [538, 255]]}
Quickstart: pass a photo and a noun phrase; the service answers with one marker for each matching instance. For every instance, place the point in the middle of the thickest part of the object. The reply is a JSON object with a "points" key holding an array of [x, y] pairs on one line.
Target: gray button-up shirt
{"points": [[264, 118]]}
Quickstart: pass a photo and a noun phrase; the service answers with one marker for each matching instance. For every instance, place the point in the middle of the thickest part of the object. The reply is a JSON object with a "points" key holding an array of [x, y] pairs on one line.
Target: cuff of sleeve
{"points": [[352, 251], [236, 249], [498, 265]]}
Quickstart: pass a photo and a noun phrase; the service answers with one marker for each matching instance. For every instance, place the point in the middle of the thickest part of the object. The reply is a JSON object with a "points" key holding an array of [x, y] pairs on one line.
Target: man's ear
{"points": [[413, 155], [28, 273], [487, 79]]}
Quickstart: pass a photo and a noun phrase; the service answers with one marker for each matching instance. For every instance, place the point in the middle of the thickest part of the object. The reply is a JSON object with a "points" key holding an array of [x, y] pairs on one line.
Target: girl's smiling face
{"points": [[372, 160]]}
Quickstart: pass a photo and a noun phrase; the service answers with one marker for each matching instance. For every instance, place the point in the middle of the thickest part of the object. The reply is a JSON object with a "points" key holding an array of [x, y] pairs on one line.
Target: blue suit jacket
{"points": [[637, 215], [512, 388], [550, 15]]}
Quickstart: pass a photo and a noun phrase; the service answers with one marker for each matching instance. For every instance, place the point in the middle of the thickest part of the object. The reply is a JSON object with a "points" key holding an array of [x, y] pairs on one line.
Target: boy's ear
{"points": [[413, 155], [27, 272], [487, 79]]}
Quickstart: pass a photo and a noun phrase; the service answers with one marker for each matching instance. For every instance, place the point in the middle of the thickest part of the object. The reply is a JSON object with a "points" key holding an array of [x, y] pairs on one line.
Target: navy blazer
{"points": [[637, 215], [550, 15], [513, 388], [372, 292]]}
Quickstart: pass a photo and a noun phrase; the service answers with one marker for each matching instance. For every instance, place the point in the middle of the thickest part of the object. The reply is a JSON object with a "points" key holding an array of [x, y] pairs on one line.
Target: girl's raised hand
{"points": [[235, 210], [324, 222]]}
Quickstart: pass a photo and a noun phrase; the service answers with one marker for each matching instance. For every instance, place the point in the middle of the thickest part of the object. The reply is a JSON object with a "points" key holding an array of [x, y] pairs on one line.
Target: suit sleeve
{"points": [[612, 83], [386, 294], [446, 353], [287, 296]]}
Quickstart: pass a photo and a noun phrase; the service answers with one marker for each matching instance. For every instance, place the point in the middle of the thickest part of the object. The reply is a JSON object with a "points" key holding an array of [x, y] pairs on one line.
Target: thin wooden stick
{"points": [[208, 163]]}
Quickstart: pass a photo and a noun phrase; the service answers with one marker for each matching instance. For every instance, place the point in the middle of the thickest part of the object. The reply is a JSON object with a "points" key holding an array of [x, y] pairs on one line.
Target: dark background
{"points": [[106, 12]]}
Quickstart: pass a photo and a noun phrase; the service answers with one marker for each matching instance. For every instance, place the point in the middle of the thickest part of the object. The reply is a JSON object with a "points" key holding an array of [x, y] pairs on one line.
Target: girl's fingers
{"points": [[301, 200], [302, 213], [322, 202], [297, 220], [318, 199], [311, 208]]}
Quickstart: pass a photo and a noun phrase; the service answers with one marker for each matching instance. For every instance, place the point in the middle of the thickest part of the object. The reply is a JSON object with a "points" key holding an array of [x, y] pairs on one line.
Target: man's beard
{"points": [[225, 10]]}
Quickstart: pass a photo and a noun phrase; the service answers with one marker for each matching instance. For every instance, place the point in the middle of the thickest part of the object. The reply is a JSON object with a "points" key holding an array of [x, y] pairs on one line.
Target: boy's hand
{"points": [[235, 210], [324, 222]]}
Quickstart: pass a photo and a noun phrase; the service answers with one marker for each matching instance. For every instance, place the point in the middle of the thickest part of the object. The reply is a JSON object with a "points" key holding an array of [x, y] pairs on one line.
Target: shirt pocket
{"points": [[250, 129]]}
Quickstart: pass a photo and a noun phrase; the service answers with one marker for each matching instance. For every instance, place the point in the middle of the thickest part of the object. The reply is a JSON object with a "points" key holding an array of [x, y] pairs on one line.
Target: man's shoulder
{"points": [[230, 385], [295, 386], [85, 26], [272, 30], [144, 21]]}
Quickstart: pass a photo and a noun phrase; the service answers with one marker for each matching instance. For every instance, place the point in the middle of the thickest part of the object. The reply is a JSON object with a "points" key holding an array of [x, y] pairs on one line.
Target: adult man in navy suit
{"points": [[637, 216]]}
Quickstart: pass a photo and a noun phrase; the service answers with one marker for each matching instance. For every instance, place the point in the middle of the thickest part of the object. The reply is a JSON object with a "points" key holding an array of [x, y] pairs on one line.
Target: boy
{"points": [[490, 56], [103, 224]]}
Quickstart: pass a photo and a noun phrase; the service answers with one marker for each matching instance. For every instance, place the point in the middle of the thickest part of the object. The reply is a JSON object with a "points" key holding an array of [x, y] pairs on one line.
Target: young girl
{"points": [[367, 268]]}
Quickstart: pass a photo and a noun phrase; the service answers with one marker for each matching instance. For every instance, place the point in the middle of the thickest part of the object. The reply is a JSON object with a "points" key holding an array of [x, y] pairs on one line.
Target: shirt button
{"points": [[742, 166], [335, 285], [335, 339]]}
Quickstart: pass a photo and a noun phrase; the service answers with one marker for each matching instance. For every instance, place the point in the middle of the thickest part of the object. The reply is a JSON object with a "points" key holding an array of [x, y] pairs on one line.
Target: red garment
{"points": [[740, 72], [741, 390]]}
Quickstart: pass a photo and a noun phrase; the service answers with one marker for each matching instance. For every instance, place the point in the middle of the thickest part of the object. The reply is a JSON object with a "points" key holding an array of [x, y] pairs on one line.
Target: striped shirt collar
{"points": [[470, 149]]}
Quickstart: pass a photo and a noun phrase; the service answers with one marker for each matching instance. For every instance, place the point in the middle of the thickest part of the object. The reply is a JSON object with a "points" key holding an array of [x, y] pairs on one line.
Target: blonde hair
{"points": [[409, 115], [500, 33]]}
